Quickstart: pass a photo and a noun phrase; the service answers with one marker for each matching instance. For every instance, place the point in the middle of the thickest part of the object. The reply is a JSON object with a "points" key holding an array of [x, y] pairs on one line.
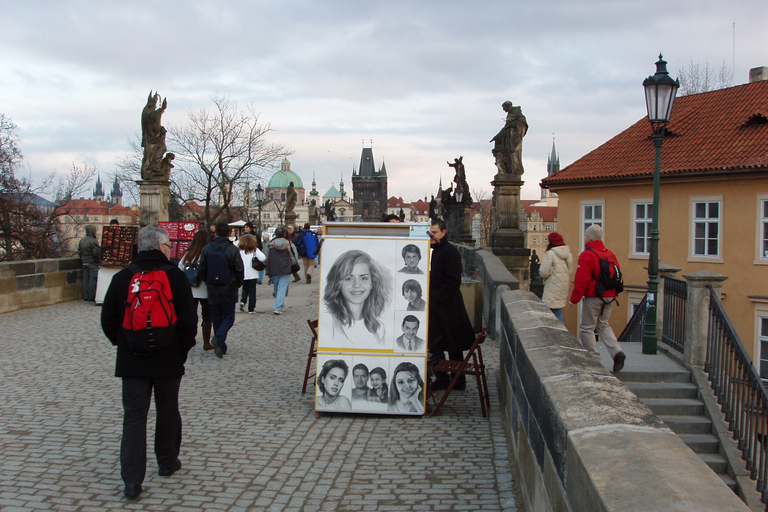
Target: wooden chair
{"points": [[471, 365], [312, 353]]}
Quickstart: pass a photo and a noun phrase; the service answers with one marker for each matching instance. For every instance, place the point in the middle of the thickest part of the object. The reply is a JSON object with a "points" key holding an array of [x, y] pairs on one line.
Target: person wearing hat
{"points": [[555, 270], [595, 310]]}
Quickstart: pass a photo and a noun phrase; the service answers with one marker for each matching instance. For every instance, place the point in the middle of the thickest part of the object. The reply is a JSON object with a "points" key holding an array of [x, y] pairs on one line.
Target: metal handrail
{"points": [[633, 332], [675, 299], [739, 391]]}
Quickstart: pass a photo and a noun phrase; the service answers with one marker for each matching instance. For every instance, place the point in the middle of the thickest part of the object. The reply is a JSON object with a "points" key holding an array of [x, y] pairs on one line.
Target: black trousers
{"points": [[137, 393]]}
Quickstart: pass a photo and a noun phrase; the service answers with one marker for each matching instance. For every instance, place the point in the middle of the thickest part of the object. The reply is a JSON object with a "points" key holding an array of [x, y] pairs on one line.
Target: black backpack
{"points": [[218, 267], [610, 277]]}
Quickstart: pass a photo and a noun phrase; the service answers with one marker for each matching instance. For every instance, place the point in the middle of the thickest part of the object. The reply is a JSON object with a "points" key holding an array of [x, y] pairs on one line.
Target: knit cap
{"points": [[594, 232], [556, 239]]}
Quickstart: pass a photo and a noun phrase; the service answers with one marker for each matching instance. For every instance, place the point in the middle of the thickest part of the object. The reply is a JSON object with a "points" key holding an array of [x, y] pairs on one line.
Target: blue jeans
{"points": [[280, 284], [261, 276], [559, 314], [223, 318], [90, 275]]}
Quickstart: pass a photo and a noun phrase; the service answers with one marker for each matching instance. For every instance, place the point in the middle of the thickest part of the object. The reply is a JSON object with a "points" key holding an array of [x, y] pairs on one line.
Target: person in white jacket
{"points": [[556, 269], [248, 250]]}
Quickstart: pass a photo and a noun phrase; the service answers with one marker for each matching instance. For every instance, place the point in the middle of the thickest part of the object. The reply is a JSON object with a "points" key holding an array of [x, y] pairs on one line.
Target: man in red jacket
{"points": [[595, 310]]}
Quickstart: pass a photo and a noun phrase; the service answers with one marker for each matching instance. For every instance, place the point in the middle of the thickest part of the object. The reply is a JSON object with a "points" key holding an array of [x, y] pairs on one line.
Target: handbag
{"points": [[256, 264], [191, 272], [295, 267]]}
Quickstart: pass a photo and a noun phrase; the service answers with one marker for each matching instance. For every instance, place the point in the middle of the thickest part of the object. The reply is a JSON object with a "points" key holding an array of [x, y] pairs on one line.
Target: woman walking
{"points": [[190, 259], [556, 269]]}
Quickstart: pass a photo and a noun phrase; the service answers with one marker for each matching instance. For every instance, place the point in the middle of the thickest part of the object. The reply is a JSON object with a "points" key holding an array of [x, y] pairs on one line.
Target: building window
{"points": [[763, 342], [642, 222], [591, 214], [764, 229], [706, 228]]}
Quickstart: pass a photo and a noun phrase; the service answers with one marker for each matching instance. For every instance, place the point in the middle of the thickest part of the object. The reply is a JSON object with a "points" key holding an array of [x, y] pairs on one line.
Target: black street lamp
{"points": [[660, 91], [258, 195]]}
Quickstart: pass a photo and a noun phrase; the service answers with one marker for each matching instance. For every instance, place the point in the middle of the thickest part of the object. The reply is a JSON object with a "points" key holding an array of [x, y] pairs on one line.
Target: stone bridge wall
{"points": [[580, 439], [33, 283]]}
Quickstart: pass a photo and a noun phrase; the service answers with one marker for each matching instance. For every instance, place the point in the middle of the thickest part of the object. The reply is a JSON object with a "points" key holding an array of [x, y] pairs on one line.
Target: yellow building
{"points": [[713, 203]]}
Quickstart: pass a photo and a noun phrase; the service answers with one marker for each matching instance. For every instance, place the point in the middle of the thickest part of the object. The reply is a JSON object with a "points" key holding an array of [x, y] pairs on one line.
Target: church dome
{"points": [[284, 177]]}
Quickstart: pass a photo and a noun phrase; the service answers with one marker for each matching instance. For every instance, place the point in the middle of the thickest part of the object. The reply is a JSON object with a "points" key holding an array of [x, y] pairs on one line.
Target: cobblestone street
{"points": [[251, 440]]}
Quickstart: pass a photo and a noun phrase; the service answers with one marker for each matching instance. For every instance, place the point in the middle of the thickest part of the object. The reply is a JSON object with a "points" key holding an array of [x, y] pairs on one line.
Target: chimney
{"points": [[758, 74]]}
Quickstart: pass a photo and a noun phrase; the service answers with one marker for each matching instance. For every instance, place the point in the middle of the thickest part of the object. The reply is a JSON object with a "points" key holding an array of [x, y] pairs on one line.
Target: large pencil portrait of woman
{"points": [[406, 392], [357, 290], [330, 382]]}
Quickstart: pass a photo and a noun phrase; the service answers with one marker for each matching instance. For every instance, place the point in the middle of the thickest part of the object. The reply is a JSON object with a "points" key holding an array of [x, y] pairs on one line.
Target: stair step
{"points": [[715, 461], [701, 443], [668, 376], [675, 406], [688, 424], [663, 389], [730, 482]]}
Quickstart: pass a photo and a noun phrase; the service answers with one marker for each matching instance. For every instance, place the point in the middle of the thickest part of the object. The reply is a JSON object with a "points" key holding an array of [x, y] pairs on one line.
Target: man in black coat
{"points": [[222, 298], [449, 326], [160, 370]]}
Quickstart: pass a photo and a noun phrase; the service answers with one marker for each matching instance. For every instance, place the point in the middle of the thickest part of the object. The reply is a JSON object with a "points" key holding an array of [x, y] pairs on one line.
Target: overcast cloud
{"points": [[424, 80]]}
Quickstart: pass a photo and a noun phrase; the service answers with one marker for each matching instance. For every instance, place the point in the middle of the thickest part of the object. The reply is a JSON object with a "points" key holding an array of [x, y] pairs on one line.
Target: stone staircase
{"points": [[674, 398]]}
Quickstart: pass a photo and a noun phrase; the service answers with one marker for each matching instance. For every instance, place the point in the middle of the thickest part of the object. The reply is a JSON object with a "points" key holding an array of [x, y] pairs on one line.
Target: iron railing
{"points": [[673, 323], [633, 332], [739, 391]]}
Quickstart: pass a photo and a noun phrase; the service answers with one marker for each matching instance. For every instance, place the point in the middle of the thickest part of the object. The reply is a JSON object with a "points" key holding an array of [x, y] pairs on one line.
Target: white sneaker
{"points": [[242, 306], [278, 312]]}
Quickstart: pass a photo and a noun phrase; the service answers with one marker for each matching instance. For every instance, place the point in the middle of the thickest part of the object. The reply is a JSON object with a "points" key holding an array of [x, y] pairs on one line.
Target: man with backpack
{"points": [[308, 247], [598, 281], [221, 268], [150, 315]]}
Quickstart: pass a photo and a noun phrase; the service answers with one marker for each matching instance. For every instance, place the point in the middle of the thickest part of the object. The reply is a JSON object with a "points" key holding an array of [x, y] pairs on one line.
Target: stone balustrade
{"points": [[34, 283]]}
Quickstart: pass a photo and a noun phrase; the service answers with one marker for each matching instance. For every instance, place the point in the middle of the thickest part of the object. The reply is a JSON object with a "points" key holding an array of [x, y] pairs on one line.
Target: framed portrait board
{"points": [[373, 313]]}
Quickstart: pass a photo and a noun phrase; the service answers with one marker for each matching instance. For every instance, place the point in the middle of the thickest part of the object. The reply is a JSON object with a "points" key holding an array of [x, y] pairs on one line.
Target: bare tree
{"points": [[485, 215], [29, 222], [698, 78], [217, 152]]}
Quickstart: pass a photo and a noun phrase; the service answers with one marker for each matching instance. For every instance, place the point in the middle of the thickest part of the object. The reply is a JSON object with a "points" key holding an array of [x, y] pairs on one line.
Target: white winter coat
{"points": [[555, 270]]}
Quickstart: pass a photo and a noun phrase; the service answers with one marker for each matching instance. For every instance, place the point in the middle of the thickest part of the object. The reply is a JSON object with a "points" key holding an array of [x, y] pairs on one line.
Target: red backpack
{"points": [[150, 316]]}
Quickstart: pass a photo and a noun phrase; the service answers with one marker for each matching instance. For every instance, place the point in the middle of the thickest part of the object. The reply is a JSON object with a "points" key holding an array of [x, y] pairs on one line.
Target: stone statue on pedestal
{"points": [[508, 147], [154, 164], [290, 199]]}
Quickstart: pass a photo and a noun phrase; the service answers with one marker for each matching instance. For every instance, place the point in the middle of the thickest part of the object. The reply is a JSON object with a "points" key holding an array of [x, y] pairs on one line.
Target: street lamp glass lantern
{"points": [[258, 194], [660, 91]]}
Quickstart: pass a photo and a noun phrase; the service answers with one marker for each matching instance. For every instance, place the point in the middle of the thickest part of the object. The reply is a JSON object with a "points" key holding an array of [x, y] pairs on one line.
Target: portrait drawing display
{"points": [[372, 327], [370, 384], [364, 296]]}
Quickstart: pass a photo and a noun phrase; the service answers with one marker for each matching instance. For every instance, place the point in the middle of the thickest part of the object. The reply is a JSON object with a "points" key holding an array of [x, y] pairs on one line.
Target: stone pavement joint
{"points": [[251, 441]]}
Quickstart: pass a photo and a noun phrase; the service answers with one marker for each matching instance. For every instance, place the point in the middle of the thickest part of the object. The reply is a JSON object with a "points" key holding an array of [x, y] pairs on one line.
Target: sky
{"points": [[421, 82]]}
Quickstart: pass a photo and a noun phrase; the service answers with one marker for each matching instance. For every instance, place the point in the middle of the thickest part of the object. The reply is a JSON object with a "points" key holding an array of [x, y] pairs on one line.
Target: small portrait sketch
{"points": [[357, 290], [330, 382], [360, 375], [378, 382], [411, 258], [406, 390], [413, 294], [409, 340]]}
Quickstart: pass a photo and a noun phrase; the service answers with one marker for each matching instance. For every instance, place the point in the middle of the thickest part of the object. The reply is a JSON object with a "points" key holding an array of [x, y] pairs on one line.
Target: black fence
{"points": [[673, 328], [739, 391]]}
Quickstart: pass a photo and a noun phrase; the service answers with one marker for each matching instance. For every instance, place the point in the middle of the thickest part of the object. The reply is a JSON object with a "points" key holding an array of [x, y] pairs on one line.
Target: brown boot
{"points": [[207, 326]]}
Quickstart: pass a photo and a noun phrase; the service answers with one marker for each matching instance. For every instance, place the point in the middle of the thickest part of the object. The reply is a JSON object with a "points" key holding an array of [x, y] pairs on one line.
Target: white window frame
{"points": [[761, 240], [760, 339], [585, 223], [648, 203], [694, 200]]}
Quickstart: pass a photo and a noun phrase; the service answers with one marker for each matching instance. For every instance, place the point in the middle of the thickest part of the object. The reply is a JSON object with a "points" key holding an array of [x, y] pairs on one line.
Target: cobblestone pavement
{"points": [[251, 440]]}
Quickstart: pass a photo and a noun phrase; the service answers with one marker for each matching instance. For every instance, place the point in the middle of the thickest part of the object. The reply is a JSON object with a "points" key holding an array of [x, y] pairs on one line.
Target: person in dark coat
{"points": [[222, 299], [89, 251], [450, 329], [160, 370]]}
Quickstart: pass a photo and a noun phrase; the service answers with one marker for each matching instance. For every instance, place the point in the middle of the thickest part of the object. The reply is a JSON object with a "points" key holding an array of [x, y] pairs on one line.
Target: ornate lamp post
{"points": [[258, 195], [458, 206], [660, 91]]}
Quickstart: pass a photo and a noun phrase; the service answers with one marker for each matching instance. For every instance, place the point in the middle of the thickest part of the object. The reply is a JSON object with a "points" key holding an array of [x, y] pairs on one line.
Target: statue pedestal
{"points": [[290, 218], [155, 196], [465, 225], [508, 241]]}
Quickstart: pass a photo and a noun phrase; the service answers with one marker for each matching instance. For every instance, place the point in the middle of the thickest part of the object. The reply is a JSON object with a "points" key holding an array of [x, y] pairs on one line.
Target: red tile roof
{"points": [[421, 207], [723, 131], [547, 213]]}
